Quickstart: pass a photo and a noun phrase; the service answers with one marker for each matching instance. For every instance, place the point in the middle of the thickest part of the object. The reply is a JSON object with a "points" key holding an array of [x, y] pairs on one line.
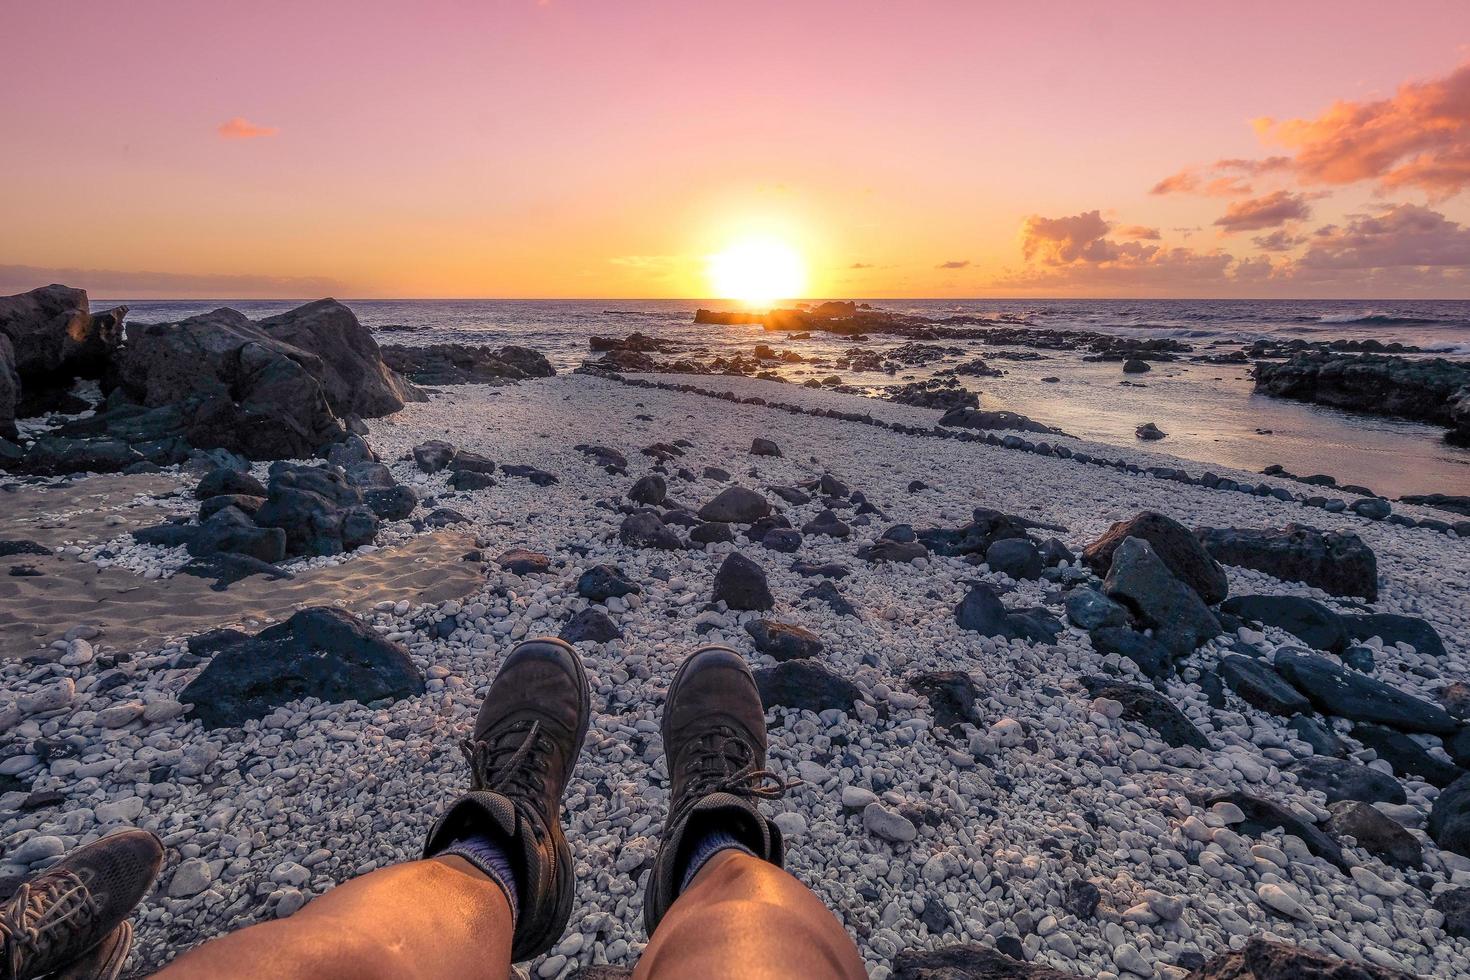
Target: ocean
{"points": [[1209, 411]]}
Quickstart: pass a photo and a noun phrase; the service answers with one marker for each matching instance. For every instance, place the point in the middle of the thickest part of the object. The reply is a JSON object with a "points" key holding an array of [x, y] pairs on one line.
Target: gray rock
{"points": [[1321, 738], [1261, 687], [1393, 628], [1449, 820], [1306, 619], [1138, 577], [1152, 657], [1016, 557], [736, 505], [646, 529], [1340, 779], [1089, 609], [1335, 562], [1337, 690], [1174, 544], [741, 584], [354, 377]]}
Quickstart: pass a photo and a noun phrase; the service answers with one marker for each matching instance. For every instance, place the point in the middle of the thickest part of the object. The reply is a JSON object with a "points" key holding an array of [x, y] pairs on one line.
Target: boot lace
{"points": [[514, 762], [41, 917], [721, 761]]}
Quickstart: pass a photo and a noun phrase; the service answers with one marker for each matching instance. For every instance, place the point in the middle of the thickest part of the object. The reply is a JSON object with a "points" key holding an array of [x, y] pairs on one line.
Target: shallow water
{"points": [[1208, 410]]}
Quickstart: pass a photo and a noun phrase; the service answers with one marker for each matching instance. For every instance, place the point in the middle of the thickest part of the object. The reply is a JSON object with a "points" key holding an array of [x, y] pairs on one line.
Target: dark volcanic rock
{"points": [[1148, 431], [1344, 780], [602, 582], [974, 418], [1306, 619], [354, 377], [1081, 898], [646, 529], [459, 364], [590, 624], [320, 652], [466, 461], [393, 503], [893, 551], [1375, 833], [1454, 905], [1141, 580], [1337, 563], [827, 592], [970, 961], [764, 447], [434, 455], [741, 584], [829, 569], [1266, 960], [650, 489], [1337, 690], [782, 539], [230, 530], [1179, 549], [1323, 740], [520, 561], [1089, 609], [1393, 628], [1406, 756], [537, 476], [1427, 390], [1151, 656], [1016, 557], [54, 337], [1149, 707], [321, 513], [951, 695], [468, 481], [711, 532], [1135, 366], [1260, 686], [1449, 820], [227, 481], [736, 505], [9, 389], [783, 641], [982, 611], [805, 684], [827, 523]]}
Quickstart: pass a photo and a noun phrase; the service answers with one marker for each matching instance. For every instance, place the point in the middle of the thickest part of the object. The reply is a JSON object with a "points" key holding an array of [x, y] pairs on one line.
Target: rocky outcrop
{"points": [[974, 418], [320, 653], [1338, 690], [1337, 563], [56, 336], [353, 375], [1180, 551], [463, 364], [9, 388], [1139, 579], [1431, 390]]}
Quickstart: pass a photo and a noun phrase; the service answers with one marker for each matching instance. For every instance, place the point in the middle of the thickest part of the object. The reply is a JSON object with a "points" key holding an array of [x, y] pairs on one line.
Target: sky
{"points": [[592, 148]]}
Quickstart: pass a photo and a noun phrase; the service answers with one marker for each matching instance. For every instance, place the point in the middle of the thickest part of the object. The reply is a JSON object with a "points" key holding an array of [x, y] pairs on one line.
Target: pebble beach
{"points": [[1044, 819]]}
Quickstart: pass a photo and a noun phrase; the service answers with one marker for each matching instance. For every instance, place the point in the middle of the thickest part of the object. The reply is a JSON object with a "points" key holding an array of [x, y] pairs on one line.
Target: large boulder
{"points": [[741, 584], [457, 364], [1339, 779], [1393, 628], [1337, 563], [1449, 819], [805, 684], [55, 335], [9, 388], [1148, 707], [320, 653], [232, 385], [1375, 833], [319, 510], [736, 505], [1306, 619], [1261, 687], [354, 377], [1140, 579], [1337, 690], [1179, 550]]}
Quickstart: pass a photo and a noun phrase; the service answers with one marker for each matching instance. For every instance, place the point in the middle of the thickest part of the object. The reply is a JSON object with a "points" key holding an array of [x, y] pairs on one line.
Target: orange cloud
{"points": [[1141, 232], [1258, 213], [1418, 138], [954, 264], [240, 128], [1223, 178]]}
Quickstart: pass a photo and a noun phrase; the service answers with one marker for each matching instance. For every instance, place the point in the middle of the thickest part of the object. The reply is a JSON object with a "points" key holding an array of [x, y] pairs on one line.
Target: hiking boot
{"points": [[714, 732], [77, 905], [526, 741]]}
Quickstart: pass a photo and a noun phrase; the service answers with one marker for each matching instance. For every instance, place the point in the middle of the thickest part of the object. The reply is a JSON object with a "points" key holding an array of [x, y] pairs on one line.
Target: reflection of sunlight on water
{"points": [[1208, 410]]}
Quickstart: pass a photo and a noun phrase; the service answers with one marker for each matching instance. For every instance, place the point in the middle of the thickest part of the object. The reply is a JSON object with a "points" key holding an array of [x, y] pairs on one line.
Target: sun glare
{"points": [[758, 271]]}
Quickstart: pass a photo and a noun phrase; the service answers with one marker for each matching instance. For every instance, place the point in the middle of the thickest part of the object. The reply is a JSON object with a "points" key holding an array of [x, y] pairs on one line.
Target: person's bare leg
{"points": [[744, 917], [434, 918]]}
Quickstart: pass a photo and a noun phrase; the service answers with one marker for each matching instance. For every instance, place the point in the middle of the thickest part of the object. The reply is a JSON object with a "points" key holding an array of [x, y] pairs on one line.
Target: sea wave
{"points": [[1371, 318]]}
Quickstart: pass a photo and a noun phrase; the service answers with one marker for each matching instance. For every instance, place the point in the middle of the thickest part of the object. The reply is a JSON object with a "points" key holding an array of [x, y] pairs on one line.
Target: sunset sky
{"points": [[607, 148]]}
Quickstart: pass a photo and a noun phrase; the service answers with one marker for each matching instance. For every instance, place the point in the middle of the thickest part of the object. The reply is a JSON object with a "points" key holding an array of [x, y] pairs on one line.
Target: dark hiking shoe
{"points": [[526, 741], [103, 961], [62, 915], [714, 732]]}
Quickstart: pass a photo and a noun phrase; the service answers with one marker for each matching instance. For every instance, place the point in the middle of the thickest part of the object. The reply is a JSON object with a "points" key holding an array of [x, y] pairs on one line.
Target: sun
{"points": [[758, 271]]}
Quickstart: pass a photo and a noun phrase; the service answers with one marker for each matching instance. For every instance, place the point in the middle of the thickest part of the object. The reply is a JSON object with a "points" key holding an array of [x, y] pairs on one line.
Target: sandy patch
{"points": [[138, 614]]}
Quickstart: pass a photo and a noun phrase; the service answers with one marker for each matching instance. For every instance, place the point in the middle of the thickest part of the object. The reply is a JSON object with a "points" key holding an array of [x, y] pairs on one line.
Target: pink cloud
{"points": [[240, 128], [1140, 232], [1418, 138], [1258, 213], [1223, 178], [1279, 240], [1401, 235]]}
